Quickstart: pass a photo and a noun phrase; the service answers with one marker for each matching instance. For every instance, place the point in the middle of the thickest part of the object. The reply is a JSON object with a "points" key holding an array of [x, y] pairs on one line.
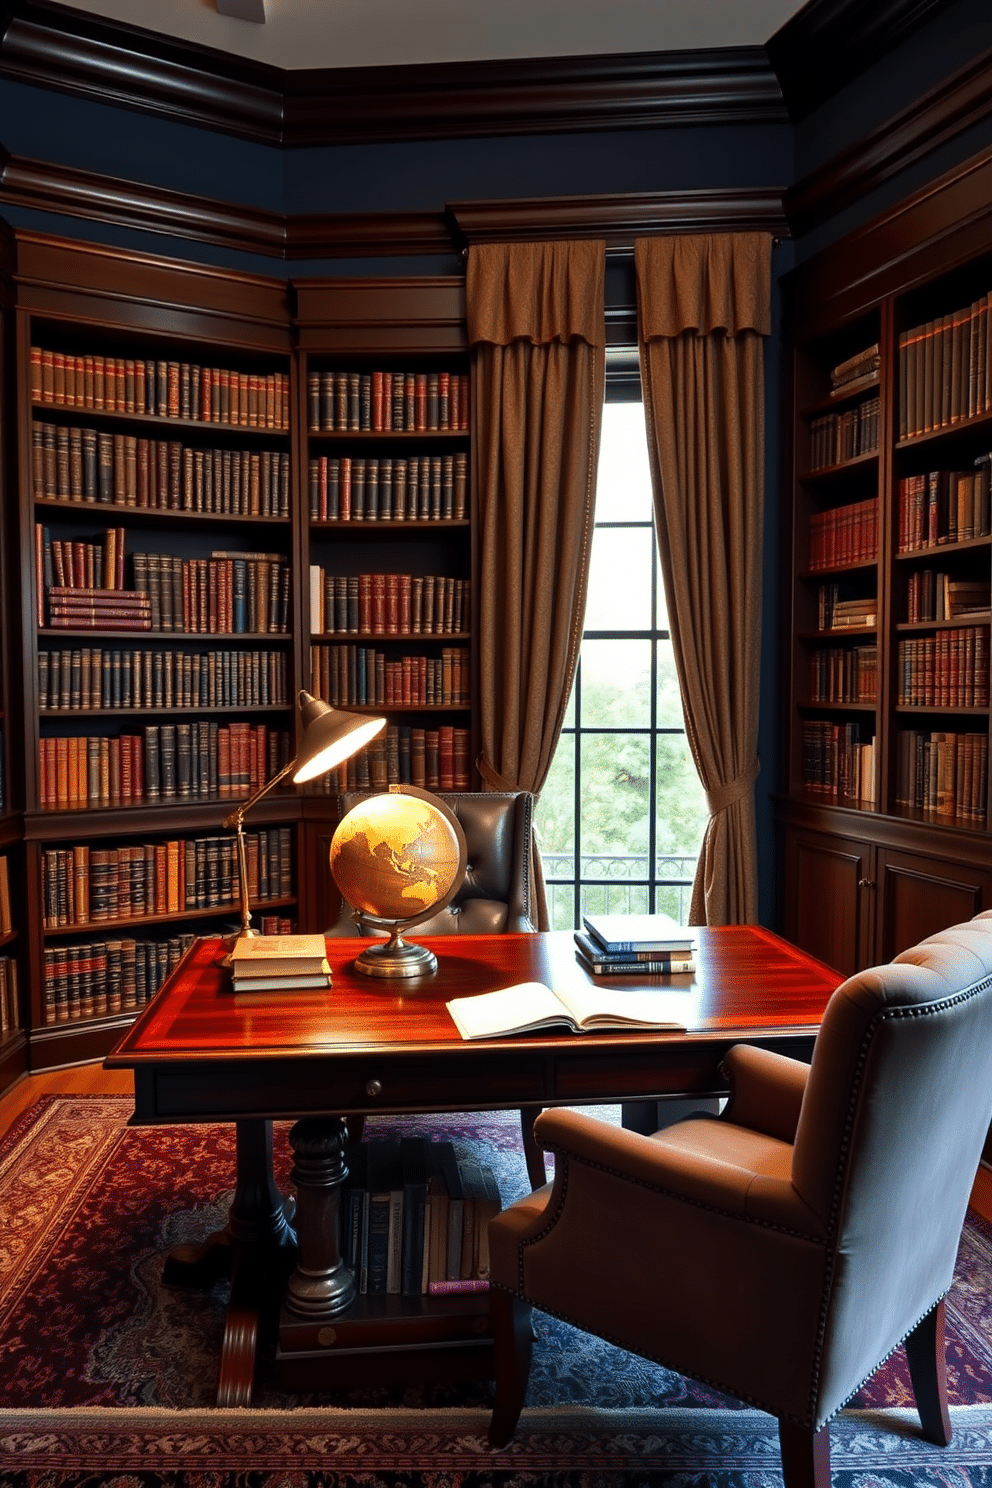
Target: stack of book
{"points": [[98, 609], [635, 945], [859, 371], [279, 963]]}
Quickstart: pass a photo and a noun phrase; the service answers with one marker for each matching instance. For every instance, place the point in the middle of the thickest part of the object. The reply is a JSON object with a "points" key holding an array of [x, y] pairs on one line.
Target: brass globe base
{"points": [[396, 958]]}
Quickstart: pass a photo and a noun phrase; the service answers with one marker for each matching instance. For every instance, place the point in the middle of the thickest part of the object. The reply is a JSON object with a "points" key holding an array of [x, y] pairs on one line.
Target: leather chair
{"points": [[495, 896], [782, 1250]]}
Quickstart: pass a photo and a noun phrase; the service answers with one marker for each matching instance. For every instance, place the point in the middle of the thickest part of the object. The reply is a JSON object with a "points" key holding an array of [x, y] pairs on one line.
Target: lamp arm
{"points": [[236, 819]]}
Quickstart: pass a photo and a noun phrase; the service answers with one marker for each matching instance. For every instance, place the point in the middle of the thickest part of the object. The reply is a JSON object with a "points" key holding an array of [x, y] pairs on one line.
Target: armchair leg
{"points": [[805, 1456], [533, 1156], [513, 1340], [927, 1356]]}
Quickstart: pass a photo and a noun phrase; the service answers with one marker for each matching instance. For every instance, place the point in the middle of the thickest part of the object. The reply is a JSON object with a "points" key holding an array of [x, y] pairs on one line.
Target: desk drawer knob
{"points": [[373, 1088]]}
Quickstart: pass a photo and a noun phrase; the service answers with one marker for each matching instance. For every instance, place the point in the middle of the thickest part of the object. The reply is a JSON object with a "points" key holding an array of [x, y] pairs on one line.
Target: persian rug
{"points": [[108, 1376]]}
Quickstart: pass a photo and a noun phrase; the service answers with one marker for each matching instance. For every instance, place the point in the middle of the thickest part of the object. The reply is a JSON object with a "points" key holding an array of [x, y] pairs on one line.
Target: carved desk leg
{"points": [[253, 1249], [322, 1286]]}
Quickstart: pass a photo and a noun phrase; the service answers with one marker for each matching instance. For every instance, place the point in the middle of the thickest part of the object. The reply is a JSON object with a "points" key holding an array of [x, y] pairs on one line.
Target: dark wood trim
{"points": [[44, 187], [829, 42], [531, 96], [953, 106], [51, 46], [619, 219], [945, 223]]}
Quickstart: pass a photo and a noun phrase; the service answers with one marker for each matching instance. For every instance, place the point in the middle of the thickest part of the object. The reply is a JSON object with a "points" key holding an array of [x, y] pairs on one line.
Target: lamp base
{"points": [[396, 957]]}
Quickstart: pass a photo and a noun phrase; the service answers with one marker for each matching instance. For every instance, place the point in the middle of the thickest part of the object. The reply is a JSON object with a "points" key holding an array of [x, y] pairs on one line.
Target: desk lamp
{"points": [[329, 737]]}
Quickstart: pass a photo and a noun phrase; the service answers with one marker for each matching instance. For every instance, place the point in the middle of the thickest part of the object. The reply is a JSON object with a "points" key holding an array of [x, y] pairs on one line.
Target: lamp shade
{"points": [[329, 737]]}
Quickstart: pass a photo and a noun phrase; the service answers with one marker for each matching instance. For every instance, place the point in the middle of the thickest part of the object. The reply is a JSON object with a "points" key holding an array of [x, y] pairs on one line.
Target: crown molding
{"points": [[43, 187], [954, 105], [829, 42], [946, 222], [622, 218], [51, 46]]}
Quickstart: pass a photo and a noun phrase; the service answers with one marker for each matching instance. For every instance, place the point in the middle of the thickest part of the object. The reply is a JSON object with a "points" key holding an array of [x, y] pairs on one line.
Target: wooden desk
{"points": [[200, 1053]]}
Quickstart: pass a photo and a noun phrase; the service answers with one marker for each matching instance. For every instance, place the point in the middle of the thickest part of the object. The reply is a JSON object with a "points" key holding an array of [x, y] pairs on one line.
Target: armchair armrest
{"points": [[766, 1090]]}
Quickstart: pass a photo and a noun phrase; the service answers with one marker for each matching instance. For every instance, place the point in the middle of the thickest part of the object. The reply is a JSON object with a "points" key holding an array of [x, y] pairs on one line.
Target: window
{"points": [[621, 816]]}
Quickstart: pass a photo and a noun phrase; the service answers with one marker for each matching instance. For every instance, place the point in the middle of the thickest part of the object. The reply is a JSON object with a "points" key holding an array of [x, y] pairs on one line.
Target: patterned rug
{"points": [[108, 1376]]}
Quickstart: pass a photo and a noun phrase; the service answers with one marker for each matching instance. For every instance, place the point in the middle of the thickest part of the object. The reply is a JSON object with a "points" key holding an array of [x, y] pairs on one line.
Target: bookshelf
{"points": [[159, 631], [885, 803], [387, 534]]}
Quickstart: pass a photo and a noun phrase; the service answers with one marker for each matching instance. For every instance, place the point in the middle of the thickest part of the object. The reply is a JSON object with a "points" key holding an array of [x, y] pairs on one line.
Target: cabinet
{"points": [[156, 532], [885, 808]]}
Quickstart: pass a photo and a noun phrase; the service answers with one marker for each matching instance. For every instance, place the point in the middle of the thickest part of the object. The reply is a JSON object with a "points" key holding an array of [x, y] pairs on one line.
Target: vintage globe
{"points": [[395, 856]]}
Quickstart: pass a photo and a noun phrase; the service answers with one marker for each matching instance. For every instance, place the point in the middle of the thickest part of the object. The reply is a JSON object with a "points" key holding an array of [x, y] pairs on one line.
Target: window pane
{"points": [[616, 684], [615, 776], [561, 906], [624, 479], [669, 695], [620, 579], [681, 812], [555, 813], [614, 898]]}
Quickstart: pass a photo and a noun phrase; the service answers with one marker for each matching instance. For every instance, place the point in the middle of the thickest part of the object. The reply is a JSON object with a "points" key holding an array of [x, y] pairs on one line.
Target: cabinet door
{"points": [[920, 895], [827, 883]]}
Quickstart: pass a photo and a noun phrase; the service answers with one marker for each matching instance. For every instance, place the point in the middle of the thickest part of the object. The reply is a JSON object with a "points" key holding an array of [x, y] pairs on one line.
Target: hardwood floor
{"points": [[93, 1079]]}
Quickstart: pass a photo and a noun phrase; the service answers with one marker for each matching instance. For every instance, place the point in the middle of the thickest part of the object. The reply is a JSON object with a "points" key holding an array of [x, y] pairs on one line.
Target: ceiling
{"points": [[359, 33]]}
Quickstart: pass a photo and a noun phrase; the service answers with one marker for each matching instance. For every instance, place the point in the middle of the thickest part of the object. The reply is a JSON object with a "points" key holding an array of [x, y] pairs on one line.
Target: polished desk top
{"points": [[200, 1052]]}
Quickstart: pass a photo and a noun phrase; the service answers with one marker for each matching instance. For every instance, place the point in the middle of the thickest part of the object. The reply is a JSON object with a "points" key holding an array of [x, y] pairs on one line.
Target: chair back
{"points": [[495, 896], [895, 1114]]}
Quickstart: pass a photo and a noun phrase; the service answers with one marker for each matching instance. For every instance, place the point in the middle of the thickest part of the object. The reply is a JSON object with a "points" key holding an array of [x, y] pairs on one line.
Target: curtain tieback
{"points": [[727, 795], [493, 778]]}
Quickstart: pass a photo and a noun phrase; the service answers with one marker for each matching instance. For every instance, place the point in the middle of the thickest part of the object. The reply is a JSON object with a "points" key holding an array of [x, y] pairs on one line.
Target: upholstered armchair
{"points": [[782, 1250], [495, 896]]}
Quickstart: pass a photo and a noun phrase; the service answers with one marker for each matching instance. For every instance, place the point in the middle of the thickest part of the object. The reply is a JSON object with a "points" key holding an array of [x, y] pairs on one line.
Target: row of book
{"points": [[344, 675], [844, 536], [843, 674], [837, 437], [931, 595], [387, 604], [431, 488], [164, 388], [91, 678], [6, 917], [86, 563], [95, 468], [84, 884], [436, 759], [102, 977], [415, 1217], [165, 762], [855, 372], [414, 402], [945, 369], [946, 670], [943, 773], [838, 610], [226, 594], [10, 1012], [837, 763], [944, 506]]}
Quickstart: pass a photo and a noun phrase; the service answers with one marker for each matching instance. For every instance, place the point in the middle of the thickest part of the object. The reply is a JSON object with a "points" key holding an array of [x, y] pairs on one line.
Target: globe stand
{"points": [[396, 957]]}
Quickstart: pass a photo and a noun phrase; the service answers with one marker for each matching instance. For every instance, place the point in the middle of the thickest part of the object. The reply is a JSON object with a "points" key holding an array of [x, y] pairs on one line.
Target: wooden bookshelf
{"points": [[885, 807]]}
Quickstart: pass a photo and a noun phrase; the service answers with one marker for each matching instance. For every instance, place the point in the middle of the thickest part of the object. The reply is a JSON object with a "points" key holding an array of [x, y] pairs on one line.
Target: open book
{"points": [[532, 1005]]}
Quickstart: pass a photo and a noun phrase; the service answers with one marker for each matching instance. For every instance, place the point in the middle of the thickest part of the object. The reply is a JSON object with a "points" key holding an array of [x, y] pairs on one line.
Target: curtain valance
{"points": [[536, 292], [703, 283]]}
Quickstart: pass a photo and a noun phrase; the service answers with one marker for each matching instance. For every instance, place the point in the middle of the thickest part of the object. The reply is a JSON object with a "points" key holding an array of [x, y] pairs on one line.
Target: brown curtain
{"points": [[537, 331], [703, 308]]}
